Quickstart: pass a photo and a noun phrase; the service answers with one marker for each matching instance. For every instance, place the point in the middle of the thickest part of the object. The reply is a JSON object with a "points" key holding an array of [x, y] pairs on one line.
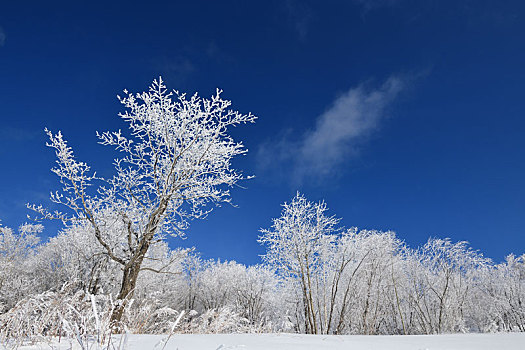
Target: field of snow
{"points": [[501, 341]]}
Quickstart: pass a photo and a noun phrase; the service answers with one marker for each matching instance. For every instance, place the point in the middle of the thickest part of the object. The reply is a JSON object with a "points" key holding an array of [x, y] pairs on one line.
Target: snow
{"points": [[500, 341]]}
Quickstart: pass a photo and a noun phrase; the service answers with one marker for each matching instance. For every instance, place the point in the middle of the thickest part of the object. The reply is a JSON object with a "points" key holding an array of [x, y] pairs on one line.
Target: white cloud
{"points": [[337, 134], [352, 116]]}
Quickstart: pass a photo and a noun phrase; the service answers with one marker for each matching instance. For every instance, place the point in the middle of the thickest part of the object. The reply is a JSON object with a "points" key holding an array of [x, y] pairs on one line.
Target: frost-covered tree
{"points": [[366, 295], [441, 282], [176, 164], [15, 249], [339, 281], [74, 256], [510, 293], [296, 246], [498, 303], [248, 291], [369, 282]]}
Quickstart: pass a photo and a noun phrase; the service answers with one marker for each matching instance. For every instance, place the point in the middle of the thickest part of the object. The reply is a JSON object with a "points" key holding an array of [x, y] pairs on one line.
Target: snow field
{"points": [[285, 341]]}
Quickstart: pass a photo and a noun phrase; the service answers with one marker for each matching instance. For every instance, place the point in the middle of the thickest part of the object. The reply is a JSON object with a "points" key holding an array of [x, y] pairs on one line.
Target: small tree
{"points": [[176, 162], [297, 245]]}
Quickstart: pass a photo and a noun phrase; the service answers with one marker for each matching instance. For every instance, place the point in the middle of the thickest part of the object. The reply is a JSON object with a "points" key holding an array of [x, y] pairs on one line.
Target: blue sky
{"points": [[403, 115]]}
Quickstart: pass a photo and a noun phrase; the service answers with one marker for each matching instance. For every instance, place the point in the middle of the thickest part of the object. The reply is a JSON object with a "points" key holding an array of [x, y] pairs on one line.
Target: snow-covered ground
{"points": [[501, 341]]}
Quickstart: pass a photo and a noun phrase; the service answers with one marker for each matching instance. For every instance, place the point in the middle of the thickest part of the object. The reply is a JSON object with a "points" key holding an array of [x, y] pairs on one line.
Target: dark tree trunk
{"points": [[127, 287], [132, 268]]}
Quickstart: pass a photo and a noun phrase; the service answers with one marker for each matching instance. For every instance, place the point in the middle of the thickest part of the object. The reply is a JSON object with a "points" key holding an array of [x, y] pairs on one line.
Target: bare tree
{"points": [[176, 164]]}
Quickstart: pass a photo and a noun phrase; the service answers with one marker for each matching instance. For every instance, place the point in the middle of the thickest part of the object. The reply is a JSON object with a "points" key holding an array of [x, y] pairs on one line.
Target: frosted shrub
{"points": [[147, 317], [78, 316], [221, 320]]}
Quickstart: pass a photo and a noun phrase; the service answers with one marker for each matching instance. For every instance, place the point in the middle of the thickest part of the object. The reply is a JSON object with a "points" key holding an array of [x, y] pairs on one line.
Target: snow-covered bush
{"points": [[249, 292], [220, 320], [64, 313]]}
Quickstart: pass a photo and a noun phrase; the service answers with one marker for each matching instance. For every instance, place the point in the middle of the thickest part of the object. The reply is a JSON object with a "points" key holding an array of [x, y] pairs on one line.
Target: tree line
{"points": [[315, 278]]}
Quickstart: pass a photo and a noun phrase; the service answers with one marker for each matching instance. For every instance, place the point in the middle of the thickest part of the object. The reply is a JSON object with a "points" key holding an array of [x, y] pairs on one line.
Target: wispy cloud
{"points": [[8, 133], [10, 136], [374, 4], [300, 15], [352, 116], [2, 37], [216, 54], [176, 68], [337, 135]]}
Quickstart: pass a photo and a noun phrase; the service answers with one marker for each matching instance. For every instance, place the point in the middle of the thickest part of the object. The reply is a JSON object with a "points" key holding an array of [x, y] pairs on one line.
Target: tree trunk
{"points": [[127, 288], [132, 268]]}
